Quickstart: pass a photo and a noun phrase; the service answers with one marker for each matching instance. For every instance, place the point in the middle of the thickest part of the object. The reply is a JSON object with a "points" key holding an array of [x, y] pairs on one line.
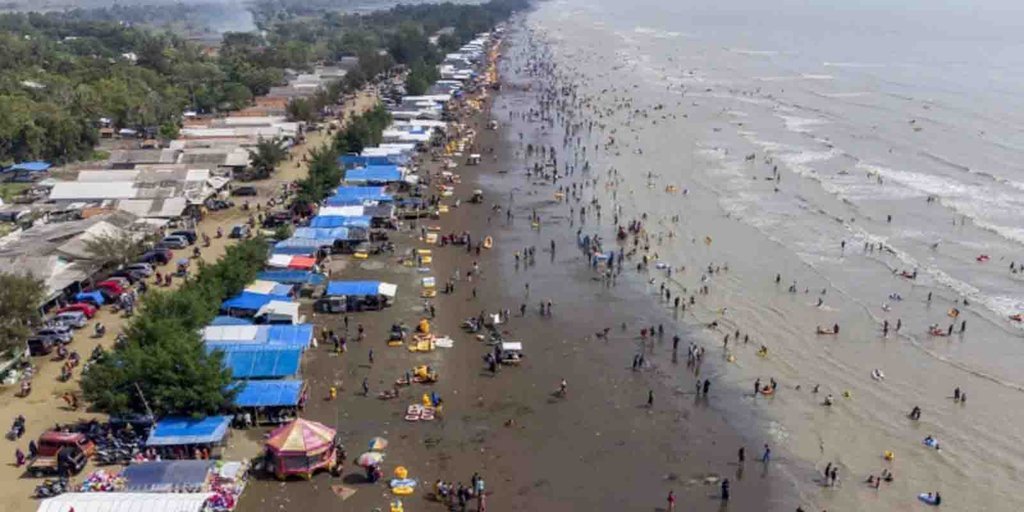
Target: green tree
{"points": [[20, 298], [302, 109], [115, 249], [266, 156]]}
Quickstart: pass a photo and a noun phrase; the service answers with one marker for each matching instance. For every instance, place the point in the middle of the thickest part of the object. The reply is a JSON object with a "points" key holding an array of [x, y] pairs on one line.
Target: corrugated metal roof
{"points": [[79, 191]]}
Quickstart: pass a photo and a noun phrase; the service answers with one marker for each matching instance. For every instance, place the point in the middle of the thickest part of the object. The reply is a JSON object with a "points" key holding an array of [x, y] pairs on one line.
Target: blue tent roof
{"points": [[268, 393], [166, 475], [249, 362], [357, 195], [96, 297], [374, 174], [292, 277], [341, 221], [353, 288], [230, 320], [324, 236], [299, 246], [251, 301], [176, 430], [36, 166]]}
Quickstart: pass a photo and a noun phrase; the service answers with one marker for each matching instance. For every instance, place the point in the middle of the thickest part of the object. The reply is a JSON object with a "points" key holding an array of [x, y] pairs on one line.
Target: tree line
{"points": [[162, 358]]}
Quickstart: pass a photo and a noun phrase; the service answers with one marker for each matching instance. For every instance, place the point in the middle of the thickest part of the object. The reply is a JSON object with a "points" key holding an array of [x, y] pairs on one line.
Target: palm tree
{"points": [[266, 156]]}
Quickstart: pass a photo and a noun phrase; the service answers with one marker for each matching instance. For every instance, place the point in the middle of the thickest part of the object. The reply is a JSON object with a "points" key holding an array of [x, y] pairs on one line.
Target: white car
{"points": [[143, 268], [72, 319]]}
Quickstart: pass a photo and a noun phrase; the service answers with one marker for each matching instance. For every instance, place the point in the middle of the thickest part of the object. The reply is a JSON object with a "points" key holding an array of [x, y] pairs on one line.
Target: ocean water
{"points": [[866, 110]]}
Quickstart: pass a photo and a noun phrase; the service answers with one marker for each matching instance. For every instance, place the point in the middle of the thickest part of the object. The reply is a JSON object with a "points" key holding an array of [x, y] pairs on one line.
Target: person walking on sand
{"points": [[671, 501], [650, 398], [767, 456], [371, 356], [366, 387], [741, 455], [707, 386]]}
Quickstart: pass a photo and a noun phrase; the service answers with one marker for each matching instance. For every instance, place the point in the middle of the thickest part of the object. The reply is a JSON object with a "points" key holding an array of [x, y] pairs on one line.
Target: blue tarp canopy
{"points": [[230, 320], [293, 277], [371, 174], [357, 195], [166, 475], [268, 393], [323, 236], [177, 430], [299, 246], [95, 297], [355, 288], [250, 301], [262, 361], [341, 221], [37, 166]]}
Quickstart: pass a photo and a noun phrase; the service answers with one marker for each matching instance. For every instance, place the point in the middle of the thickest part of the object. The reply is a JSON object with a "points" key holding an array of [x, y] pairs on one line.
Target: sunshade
{"points": [[369, 459], [301, 437]]}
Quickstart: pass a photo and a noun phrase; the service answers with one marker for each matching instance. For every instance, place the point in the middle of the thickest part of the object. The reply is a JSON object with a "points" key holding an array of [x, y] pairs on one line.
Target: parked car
{"points": [[61, 453], [219, 204], [157, 256], [144, 268], [240, 231], [244, 191], [39, 346], [111, 290], [132, 276], [276, 219], [72, 319], [121, 281], [174, 242], [57, 333], [188, 234], [85, 308]]}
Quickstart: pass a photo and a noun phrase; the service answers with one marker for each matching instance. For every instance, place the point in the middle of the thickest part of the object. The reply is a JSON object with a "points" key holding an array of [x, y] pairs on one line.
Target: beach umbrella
{"points": [[369, 459], [378, 444]]}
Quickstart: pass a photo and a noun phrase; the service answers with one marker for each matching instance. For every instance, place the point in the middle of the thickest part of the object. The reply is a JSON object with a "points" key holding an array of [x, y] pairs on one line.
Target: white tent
{"points": [[279, 311], [230, 332], [261, 287], [341, 211], [124, 502], [387, 289]]}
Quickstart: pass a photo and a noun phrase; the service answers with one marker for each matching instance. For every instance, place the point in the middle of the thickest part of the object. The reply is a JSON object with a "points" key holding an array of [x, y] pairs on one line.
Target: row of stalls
{"points": [[156, 486]]}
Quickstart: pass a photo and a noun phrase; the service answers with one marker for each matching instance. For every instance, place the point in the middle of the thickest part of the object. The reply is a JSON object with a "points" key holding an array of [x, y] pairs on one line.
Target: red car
{"points": [[110, 288], [87, 309]]}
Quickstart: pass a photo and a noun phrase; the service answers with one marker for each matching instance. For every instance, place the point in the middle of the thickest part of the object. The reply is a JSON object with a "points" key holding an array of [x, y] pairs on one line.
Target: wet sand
{"points": [[601, 448]]}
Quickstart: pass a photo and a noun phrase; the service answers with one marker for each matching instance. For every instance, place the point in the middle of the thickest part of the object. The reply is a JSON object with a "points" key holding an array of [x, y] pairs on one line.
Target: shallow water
{"points": [[866, 112]]}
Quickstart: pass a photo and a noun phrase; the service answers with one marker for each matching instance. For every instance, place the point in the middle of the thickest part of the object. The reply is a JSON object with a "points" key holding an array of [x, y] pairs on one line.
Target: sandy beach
{"points": [[600, 448]]}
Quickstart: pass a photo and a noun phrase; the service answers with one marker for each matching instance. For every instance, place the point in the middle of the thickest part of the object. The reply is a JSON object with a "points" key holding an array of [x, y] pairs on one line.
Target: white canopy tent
{"points": [[125, 502]]}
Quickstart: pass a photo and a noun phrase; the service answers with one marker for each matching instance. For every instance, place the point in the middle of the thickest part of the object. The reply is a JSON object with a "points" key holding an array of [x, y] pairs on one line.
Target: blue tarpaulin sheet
{"points": [[374, 174], [95, 297], [249, 362], [230, 320], [357, 288], [357, 195], [250, 301], [341, 221], [176, 430], [298, 246], [30, 167], [268, 393], [293, 277], [324, 236], [166, 475]]}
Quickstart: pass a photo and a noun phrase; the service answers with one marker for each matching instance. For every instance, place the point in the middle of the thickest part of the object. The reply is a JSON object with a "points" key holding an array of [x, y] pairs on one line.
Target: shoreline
{"points": [[599, 448]]}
